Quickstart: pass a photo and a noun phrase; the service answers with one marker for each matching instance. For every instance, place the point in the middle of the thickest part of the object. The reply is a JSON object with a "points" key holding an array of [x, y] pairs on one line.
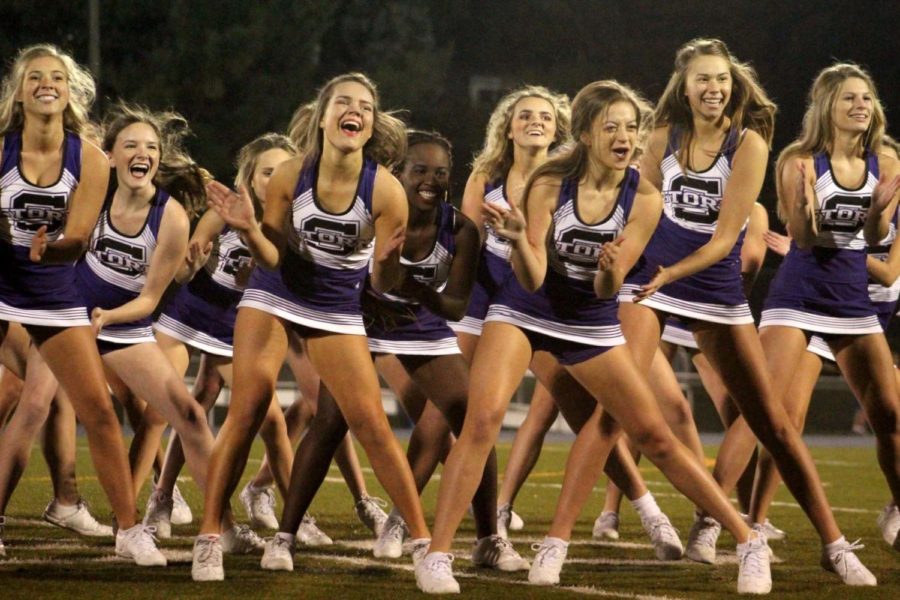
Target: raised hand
{"points": [[776, 242], [509, 224], [38, 244], [393, 245], [197, 255], [235, 208], [609, 252], [884, 193]]}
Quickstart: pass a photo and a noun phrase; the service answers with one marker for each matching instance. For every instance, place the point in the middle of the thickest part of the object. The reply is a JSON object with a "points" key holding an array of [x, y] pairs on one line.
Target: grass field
{"points": [[46, 562]]}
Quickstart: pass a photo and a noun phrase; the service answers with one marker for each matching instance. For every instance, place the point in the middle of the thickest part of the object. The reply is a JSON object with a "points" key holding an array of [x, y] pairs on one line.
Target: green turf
{"points": [[46, 562]]}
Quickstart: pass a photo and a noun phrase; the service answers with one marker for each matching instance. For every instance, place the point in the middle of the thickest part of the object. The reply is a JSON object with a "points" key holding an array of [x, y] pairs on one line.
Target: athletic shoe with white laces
{"points": [[701, 545], [770, 531], [75, 518], [548, 562], [434, 574], [504, 517], [889, 523], [390, 543], [495, 552], [138, 544], [279, 554], [664, 537], [309, 533], [418, 549], [754, 571], [2, 547], [847, 565], [207, 563], [370, 512], [240, 539], [606, 526], [259, 503], [515, 521], [181, 511], [159, 513]]}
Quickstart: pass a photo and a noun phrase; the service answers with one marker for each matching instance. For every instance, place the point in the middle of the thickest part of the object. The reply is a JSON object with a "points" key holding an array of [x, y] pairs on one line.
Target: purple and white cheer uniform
{"points": [[30, 293], [564, 316], [416, 330]]}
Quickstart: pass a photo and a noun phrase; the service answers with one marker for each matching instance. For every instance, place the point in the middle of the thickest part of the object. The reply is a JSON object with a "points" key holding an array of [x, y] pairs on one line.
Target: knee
{"points": [[657, 444], [883, 421], [482, 427], [682, 412]]}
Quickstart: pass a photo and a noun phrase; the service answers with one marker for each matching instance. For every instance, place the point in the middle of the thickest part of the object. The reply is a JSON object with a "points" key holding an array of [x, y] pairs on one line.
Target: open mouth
{"points": [[139, 171], [535, 133], [46, 98], [351, 127], [621, 153], [429, 193]]}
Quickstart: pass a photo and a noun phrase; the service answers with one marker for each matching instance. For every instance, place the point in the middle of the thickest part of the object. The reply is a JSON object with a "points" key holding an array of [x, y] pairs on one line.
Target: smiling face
{"points": [[426, 175], [135, 156], [45, 87], [707, 86], [349, 117], [265, 166], [613, 135], [533, 123], [853, 106]]}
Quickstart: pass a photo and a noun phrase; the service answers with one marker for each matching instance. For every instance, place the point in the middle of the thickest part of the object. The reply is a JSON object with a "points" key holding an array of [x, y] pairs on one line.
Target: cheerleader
{"points": [[343, 209], [52, 187], [838, 193], [589, 217]]}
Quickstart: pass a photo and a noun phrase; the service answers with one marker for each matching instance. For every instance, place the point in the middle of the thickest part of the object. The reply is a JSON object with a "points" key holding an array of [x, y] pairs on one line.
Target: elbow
{"points": [[456, 310]]}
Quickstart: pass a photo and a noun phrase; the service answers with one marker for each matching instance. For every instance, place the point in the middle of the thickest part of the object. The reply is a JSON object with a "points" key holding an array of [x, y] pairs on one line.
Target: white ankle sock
{"points": [[646, 506]]}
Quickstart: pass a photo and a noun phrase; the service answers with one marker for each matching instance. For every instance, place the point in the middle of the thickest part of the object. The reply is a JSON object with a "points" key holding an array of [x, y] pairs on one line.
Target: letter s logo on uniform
{"points": [[334, 237], [32, 211], [695, 200], [582, 246], [844, 214], [121, 257], [234, 260]]}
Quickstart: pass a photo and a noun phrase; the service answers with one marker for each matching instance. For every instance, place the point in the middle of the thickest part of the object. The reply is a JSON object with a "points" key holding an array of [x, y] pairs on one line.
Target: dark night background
{"points": [[237, 68]]}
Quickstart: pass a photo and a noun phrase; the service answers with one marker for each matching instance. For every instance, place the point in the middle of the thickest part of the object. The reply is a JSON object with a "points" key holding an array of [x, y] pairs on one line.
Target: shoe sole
{"points": [[698, 558], [85, 533], [284, 566]]}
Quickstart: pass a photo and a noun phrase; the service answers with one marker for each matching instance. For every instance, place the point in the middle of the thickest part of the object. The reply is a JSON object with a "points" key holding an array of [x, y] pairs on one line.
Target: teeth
{"points": [[428, 194]]}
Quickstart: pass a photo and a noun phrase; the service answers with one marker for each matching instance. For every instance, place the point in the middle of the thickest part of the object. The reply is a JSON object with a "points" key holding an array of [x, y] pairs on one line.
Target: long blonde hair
{"points": [[178, 174], [248, 158], [749, 106], [81, 89], [593, 100], [387, 145], [496, 156], [817, 132]]}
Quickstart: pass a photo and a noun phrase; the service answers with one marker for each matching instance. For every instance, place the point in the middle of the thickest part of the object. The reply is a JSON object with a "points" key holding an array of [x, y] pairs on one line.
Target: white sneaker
{"points": [[548, 562], [159, 513], [702, 539], [278, 554], [495, 552], [889, 523], [240, 539], [664, 537], [207, 563], [434, 574], [754, 571], [138, 544], [847, 565], [371, 514], [390, 543], [515, 521], [181, 511], [309, 534], [419, 549], [2, 547], [770, 531], [259, 503], [76, 518], [606, 526], [504, 518]]}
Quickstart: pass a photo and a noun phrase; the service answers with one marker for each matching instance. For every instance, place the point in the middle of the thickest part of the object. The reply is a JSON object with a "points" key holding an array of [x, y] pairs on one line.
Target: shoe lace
{"points": [[755, 559], [546, 553], [248, 535], [267, 498], [845, 555], [280, 542], [708, 532], [207, 549], [372, 506], [662, 530], [395, 528], [144, 537], [441, 565]]}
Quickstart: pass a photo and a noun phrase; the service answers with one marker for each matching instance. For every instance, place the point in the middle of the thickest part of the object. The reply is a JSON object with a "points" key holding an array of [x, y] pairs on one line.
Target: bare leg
{"points": [[59, 446]]}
